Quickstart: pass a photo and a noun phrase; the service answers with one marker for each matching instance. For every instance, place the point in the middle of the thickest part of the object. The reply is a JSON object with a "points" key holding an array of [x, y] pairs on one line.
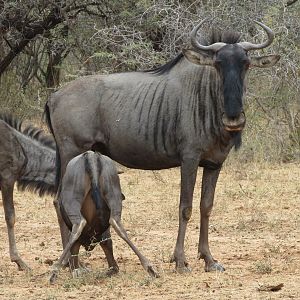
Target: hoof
{"points": [[53, 277], [183, 269], [215, 266], [76, 273], [112, 271], [182, 266], [22, 266], [152, 272]]}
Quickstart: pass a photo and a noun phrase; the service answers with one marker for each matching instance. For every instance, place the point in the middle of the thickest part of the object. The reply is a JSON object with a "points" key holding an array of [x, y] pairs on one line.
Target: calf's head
{"points": [[231, 62]]}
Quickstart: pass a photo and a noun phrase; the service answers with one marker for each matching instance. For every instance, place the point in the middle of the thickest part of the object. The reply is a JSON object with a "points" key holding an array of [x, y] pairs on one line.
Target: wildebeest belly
{"points": [[145, 162], [134, 152]]}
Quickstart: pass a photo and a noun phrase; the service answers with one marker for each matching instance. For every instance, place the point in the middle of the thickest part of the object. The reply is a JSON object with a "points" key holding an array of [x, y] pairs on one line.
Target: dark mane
{"points": [[39, 135], [11, 121], [166, 67], [37, 186], [30, 131], [228, 37]]}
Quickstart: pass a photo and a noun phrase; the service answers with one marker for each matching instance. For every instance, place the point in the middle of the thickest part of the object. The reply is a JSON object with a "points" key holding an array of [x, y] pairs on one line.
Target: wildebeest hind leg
{"points": [[65, 157], [107, 247], [75, 234], [9, 210], [64, 231], [118, 227]]}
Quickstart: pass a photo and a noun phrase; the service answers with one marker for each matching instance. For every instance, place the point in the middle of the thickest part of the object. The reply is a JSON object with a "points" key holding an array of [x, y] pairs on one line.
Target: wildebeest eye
{"points": [[217, 63], [247, 65]]}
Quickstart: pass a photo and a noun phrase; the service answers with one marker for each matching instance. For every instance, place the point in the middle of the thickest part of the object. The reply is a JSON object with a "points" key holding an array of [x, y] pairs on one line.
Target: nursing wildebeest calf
{"points": [[187, 113], [90, 200], [27, 157]]}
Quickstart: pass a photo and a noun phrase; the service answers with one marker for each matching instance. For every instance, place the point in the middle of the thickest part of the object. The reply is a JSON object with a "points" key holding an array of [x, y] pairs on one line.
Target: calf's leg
{"points": [[74, 261], [118, 227], [107, 247], [75, 234]]}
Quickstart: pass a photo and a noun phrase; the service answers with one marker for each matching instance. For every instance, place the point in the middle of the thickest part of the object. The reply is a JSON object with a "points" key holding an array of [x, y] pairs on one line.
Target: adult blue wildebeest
{"points": [[187, 113]]}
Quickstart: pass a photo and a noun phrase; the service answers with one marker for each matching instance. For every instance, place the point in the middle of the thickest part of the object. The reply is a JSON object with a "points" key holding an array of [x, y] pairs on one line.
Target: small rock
{"points": [[270, 288]]}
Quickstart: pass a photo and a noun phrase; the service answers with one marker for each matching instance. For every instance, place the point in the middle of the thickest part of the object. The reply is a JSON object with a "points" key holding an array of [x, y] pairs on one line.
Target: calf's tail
{"points": [[93, 169]]}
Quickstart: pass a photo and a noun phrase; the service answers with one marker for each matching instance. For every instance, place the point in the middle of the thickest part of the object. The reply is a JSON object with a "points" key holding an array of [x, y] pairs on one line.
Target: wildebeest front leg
{"points": [[209, 181], [118, 227], [107, 247], [9, 210], [188, 177]]}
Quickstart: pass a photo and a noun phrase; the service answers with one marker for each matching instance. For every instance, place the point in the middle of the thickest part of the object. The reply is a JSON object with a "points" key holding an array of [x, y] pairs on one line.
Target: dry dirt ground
{"points": [[254, 232]]}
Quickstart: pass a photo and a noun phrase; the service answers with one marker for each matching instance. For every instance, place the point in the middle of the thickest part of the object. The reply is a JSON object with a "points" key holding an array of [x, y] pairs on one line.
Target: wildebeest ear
{"points": [[123, 197], [198, 58], [264, 61]]}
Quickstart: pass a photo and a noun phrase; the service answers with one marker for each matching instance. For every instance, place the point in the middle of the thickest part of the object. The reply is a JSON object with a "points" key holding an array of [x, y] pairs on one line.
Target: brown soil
{"points": [[254, 232]]}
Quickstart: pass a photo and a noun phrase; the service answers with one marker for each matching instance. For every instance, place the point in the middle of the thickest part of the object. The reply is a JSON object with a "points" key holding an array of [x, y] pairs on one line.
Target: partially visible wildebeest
{"points": [[27, 156], [90, 200], [188, 113]]}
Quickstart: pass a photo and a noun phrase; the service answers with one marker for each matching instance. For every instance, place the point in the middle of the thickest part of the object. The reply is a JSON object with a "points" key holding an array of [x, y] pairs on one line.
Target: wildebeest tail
{"points": [[47, 118], [92, 168]]}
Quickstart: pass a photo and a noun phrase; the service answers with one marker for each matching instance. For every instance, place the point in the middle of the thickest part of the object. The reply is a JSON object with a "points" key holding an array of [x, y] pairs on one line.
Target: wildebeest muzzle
{"points": [[234, 123]]}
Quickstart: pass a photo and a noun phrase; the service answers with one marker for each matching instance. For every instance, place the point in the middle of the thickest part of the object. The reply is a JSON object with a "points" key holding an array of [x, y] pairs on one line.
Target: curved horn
{"points": [[213, 47], [249, 46]]}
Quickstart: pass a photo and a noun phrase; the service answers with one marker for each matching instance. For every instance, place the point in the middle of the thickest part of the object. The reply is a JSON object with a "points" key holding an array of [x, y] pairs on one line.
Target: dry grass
{"points": [[254, 232]]}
